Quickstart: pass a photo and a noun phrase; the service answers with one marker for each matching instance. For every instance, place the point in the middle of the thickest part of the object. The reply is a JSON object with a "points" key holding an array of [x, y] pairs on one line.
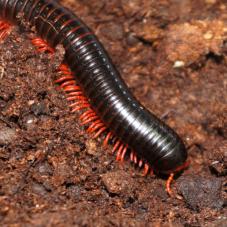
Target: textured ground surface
{"points": [[173, 56]]}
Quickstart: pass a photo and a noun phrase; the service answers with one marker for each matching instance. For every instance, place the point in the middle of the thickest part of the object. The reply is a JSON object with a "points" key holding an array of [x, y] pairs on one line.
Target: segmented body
{"points": [[116, 109]]}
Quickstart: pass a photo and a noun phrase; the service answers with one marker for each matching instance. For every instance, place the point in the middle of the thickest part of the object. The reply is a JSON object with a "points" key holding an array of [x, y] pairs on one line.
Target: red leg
{"points": [[120, 150], [89, 120], [72, 88], [4, 29], [63, 78], [140, 163], [146, 169], [101, 130], [77, 97], [135, 159], [95, 127], [132, 156], [123, 153], [168, 184], [42, 45], [67, 83], [107, 138], [84, 106], [116, 146]]}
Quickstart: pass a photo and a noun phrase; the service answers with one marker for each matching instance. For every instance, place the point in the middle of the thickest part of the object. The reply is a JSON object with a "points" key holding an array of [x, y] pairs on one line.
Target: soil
{"points": [[173, 56]]}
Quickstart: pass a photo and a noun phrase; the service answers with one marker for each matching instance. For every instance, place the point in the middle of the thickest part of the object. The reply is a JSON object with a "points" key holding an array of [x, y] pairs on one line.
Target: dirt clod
{"points": [[188, 42], [117, 182]]}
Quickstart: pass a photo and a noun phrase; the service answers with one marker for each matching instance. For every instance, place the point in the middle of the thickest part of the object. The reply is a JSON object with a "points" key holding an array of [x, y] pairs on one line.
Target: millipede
{"points": [[94, 87]]}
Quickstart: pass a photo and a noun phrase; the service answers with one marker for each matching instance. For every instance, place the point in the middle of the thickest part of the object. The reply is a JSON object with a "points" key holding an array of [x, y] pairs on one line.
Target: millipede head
{"points": [[173, 161]]}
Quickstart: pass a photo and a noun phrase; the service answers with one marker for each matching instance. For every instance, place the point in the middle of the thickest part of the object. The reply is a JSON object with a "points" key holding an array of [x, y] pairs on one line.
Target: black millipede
{"points": [[95, 88]]}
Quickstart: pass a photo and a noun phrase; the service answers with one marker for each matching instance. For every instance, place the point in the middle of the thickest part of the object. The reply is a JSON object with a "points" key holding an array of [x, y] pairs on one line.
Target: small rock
{"points": [[7, 135], [45, 169], [31, 102], [29, 121], [74, 192], [208, 35], [132, 39], [38, 189], [178, 64], [200, 192], [39, 109], [117, 182], [91, 147]]}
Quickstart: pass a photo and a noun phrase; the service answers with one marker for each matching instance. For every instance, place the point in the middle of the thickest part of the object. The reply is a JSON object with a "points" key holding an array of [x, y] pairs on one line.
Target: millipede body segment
{"points": [[93, 84]]}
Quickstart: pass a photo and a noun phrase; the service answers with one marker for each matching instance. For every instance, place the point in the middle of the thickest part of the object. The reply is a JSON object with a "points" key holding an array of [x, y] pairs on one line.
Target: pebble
{"points": [[38, 189], [7, 135], [45, 169], [200, 192], [30, 121], [208, 35], [91, 147], [39, 109], [178, 64], [131, 39]]}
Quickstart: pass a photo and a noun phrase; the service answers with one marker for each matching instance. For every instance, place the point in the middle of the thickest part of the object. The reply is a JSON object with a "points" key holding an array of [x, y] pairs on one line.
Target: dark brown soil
{"points": [[173, 56]]}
